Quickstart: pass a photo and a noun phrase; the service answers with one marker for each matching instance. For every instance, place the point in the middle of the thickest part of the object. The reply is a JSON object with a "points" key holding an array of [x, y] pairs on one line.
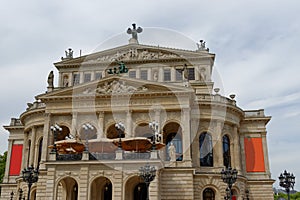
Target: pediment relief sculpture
{"points": [[133, 54], [114, 87]]}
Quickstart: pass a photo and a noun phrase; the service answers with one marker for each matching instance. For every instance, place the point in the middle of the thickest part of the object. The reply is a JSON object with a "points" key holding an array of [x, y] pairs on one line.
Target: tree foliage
{"points": [[295, 196], [2, 165]]}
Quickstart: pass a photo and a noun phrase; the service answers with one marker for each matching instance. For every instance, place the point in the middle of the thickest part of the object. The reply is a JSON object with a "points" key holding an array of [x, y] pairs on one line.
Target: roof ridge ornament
{"points": [[134, 31]]}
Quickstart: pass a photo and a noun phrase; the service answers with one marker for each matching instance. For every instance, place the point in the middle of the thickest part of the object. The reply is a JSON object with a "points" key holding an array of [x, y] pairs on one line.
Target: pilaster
{"points": [[74, 123], [236, 150], [100, 133], [217, 146], [186, 136], [128, 126], [32, 146], [46, 141]]}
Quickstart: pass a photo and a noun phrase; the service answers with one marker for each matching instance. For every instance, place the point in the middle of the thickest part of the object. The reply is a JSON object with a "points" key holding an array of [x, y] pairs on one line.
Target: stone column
{"points": [[236, 150], [36, 153], [265, 149], [7, 165], [93, 75], [149, 74], [128, 127], [173, 74], [186, 135], [74, 123], [243, 157], [217, 146], [157, 118], [161, 74], [81, 77], [24, 152], [46, 140], [32, 146], [100, 133]]}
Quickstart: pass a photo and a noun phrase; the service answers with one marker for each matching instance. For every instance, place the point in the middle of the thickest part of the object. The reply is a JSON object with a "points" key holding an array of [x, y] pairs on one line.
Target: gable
{"points": [[115, 85], [133, 53]]}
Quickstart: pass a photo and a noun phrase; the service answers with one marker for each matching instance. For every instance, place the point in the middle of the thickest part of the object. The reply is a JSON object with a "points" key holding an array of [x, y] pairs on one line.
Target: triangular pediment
{"points": [[134, 53], [116, 85]]}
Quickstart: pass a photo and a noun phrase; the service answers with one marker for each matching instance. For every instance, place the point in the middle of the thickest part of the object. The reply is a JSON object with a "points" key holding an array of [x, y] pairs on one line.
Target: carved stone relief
{"points": [[140, 54]]}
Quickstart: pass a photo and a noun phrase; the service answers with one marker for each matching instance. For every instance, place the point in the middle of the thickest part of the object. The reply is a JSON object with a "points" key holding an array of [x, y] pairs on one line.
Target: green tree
{"points": [[295, 196], [2, 165]]}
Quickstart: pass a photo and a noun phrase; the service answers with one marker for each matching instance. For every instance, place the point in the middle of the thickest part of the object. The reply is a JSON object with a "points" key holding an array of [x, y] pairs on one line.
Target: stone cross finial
{"points": [[134, 31]]}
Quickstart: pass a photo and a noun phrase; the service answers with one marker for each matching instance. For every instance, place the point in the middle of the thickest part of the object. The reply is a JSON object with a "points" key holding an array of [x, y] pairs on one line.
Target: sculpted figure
{"points": [[172, 152], [50, 79]]}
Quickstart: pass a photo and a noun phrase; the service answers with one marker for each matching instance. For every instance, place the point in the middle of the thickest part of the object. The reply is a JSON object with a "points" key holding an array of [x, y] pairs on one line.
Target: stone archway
{"points": [[112, 132], [67, 189], [135, 189], [172, 133], [143, 130], [101, 189]]}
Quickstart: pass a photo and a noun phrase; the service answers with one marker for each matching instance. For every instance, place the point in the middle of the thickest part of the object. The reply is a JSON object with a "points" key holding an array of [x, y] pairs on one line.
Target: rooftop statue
{"points": [[134, 33], [69, 54], [201, 46], [50, 79]]}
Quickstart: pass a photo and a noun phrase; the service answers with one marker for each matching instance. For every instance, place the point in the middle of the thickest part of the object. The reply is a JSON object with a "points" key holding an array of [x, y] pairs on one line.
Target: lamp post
{"points": [[20, 194], [11, 195], [55, 128], [229, 176], [120, 128], [287, 181], [247, 194], [154, 127], [87, 128], [30, 176], [147, 173]]}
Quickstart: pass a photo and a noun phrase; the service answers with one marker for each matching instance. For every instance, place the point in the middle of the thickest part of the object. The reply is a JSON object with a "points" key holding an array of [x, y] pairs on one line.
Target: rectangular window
{"points": [[167, 75], [178, 74], [132, 74], [144, 74], [76, 79], [191, 74], [87, 77], [98, 75]]}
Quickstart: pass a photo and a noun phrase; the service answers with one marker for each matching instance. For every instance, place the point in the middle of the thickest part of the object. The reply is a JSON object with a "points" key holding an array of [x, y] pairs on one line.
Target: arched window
{"points": [[28, 157], [173, 134], [208, 194], [206, 150], [40, 151], [226, 151], [89, 133]]}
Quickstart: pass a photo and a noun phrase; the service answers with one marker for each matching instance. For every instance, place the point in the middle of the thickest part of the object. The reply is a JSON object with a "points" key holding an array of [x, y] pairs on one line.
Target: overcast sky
{"points": [[256, 45]]}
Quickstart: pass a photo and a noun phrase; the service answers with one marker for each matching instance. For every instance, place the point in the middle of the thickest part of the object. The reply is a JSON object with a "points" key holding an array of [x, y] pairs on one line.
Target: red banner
{"points": [[254, 153], [15, 160]]}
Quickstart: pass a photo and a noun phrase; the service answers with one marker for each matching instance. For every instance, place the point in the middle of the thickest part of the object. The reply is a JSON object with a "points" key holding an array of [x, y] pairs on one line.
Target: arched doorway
{"points": [[101, 189], [140, 191], [67, 189], [172, 133], [135, 189], [208, 194]]}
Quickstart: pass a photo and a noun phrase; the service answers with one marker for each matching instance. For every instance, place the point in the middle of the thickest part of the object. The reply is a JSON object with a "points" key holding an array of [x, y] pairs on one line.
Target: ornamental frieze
{"points": [[133, 54]]}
